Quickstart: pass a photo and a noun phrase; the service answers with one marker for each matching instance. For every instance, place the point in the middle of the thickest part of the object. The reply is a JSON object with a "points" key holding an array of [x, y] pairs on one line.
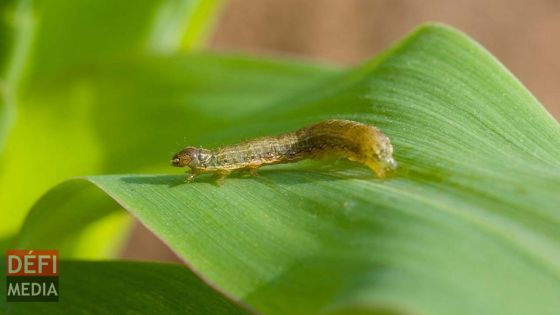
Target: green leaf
{"points": [[16, 23], [44, 40], [183, 25], [468, 225], [104, 32], [126, 288]]}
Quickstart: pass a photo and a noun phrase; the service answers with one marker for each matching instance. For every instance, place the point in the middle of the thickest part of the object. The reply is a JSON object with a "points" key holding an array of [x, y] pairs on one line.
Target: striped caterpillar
{"points": [[331, 138]]}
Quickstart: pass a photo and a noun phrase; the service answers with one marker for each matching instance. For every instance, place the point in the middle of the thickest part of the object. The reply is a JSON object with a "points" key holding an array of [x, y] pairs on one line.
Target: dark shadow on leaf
{"points": [[269, 176], [168, 180]]}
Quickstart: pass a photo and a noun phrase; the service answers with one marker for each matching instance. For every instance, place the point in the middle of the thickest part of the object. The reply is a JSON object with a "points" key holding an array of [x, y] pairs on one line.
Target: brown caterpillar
{"points": [[331, 138]]}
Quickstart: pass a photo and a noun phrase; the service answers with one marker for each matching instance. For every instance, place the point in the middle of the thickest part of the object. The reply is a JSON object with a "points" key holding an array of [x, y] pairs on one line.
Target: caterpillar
{"points": [[330, 138]]}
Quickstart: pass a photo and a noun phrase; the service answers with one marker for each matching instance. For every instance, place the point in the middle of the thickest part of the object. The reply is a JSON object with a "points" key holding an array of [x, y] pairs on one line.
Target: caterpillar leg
{"points": [[376, 168], [383, 169], [221, 176], [370, 163], [191, 176], [253, 170]]}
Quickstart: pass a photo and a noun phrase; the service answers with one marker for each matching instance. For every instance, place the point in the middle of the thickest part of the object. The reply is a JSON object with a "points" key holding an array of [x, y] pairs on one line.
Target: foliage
{"points": [[468, 224]]}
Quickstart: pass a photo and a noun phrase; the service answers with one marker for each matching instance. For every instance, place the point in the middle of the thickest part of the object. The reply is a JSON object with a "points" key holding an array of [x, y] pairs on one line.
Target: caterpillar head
{"points": [[191, 157]]}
